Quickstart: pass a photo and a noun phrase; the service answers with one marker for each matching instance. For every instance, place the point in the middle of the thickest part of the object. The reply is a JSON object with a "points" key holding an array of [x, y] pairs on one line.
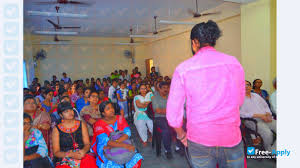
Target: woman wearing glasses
{"points": [[35, 148], [40, 119], [90, 113]]}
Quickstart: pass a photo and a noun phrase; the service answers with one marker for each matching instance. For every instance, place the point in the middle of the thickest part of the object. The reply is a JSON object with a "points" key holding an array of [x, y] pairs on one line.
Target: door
{"points": [[149, 64]]}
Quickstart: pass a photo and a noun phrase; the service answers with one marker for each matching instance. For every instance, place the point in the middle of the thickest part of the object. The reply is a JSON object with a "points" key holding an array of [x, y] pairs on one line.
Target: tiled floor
{"points": [[151, 161]]}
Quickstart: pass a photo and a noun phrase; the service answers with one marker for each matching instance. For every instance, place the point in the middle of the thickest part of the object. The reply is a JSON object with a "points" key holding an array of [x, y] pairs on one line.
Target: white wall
{"points": [[84, 61], [168, 52], [256, 27]]}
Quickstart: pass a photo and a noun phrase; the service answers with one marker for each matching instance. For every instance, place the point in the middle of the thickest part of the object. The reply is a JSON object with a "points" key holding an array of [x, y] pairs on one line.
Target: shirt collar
{"points": [[204, 49]]}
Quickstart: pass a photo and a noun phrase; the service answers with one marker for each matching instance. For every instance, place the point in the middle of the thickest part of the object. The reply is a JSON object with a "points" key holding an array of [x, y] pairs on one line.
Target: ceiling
{"points": [[113, 18]]}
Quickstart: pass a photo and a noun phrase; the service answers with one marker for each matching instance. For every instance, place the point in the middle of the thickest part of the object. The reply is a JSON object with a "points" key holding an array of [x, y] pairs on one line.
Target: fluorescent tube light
{"points": [[39, 13], [130, 44], [143, 36], [54, 43], [55, 33], [176, 22]]}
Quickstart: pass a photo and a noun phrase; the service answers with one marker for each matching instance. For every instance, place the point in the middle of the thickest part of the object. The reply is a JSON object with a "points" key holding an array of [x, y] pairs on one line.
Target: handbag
{"points": [[119, 155]]}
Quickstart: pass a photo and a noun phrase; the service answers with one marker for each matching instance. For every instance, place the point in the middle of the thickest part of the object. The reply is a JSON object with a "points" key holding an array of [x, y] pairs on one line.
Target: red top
{"points": [[104, 99]]}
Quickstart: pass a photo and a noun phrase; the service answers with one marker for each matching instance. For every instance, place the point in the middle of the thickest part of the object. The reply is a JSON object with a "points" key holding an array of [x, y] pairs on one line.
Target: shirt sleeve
{"points": [[175, 104], [42, 149], [242, 90], [273, 102], [244, 112], [110, 93], [264, 104]]}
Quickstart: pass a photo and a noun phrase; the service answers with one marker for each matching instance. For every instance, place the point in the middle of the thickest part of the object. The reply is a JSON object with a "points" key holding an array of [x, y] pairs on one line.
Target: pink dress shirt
{"points": [[213, 86]]}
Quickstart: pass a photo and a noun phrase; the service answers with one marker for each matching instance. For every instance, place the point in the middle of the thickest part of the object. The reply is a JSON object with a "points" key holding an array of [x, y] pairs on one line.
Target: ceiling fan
{"points": [[58, 26], [154, 33], [197, 14], [131, 42], [63, 2]]}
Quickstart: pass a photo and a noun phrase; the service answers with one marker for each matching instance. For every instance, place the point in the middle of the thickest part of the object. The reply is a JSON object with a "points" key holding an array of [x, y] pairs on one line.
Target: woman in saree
{"points": [[35, 148], [103, 128], [41, 119]]}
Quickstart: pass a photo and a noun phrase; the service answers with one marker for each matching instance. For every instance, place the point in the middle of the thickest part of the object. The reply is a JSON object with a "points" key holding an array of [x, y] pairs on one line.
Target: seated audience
{"points": [[84, 101], [127, 76], [70, 139], [102, 97], [112, 92], [40, 94], [98, 84], [55, 93], [90, 113], [41, 119], [255, 107], [87, 82], [122, 95], [142, 122], [35, 148], [77, 94], [106, 126], [54, 80], [257, 83], [273, 98], [105, 87]]}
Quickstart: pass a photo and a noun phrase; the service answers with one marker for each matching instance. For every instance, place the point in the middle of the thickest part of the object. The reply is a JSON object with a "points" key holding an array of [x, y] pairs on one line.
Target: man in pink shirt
{"points": [[213, 85]]}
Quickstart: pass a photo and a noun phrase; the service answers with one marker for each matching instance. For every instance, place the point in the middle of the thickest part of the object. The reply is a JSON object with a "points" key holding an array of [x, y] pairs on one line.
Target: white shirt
{"points": [[254, 105], [127, 77], [112, 94], [273, 103], [121, 77]]}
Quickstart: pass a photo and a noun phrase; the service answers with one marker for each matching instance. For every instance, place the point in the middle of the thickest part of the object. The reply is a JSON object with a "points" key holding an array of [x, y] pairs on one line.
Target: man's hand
{"points": [[266, 118]]}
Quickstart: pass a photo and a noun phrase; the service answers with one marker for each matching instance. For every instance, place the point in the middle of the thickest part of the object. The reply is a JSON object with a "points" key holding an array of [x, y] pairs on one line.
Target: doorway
{"points": [[149, 65]]}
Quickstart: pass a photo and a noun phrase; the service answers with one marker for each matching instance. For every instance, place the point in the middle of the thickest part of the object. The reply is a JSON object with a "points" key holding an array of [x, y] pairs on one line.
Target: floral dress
{"points": [[36, 144], [70, 139]]}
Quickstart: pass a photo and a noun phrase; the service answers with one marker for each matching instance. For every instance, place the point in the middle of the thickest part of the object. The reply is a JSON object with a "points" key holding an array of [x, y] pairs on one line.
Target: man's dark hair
{"points": [[163, 83], [85, 89], [61, 91], [94, 91], [208, 32], [114, 80], [79, 86], [48, 91]]}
